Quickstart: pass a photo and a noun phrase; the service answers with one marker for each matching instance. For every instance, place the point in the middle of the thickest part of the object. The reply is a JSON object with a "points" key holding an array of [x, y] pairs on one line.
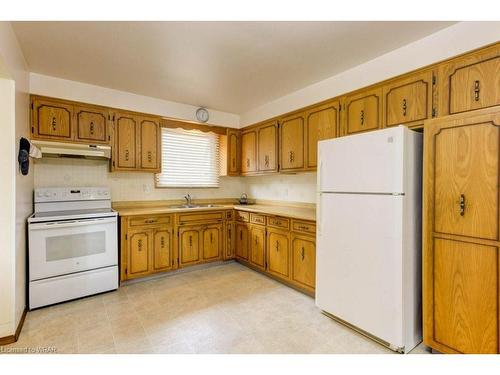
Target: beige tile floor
{"points": [[223, 309]]}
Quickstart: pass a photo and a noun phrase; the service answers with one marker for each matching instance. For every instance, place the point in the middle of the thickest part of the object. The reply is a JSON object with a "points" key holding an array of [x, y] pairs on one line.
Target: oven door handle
{"points": [[71, 223]]}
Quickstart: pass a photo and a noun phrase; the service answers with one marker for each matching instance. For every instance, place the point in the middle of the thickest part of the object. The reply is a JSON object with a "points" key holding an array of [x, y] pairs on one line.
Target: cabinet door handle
{"points": [[277, 246], [476, 90], [126, 155], [211, 237], [150, 157], [256, 240], [302, 253], [241, 235], [190, 241], [54, 124], [404, 107], [234, 163], [162, 242], [248, 163], [462, 204], [362, 117], [139, 245], [266, 160]]}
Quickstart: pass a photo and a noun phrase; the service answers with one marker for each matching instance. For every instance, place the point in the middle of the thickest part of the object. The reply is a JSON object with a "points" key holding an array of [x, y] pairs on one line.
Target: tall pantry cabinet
{"points": [[461, 259]]}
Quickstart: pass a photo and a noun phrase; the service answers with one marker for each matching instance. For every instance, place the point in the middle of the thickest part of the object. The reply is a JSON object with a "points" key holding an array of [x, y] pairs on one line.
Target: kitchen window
{"points": [[189, 158]]}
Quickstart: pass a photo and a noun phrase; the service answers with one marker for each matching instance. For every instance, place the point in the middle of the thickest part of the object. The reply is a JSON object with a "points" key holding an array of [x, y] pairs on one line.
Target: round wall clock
{"points": [[202, 114]]}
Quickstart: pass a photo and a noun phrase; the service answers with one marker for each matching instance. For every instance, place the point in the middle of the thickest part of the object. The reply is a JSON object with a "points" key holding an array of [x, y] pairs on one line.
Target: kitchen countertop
{"points": [[303, 212]]}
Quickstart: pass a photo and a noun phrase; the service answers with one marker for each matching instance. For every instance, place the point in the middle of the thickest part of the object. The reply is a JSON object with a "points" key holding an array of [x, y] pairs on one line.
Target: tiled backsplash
{"points": [[135, 186]]}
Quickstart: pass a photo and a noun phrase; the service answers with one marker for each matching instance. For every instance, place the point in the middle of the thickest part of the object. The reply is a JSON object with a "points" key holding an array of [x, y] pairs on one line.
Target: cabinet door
{"points": [[278, 253], [321, 123], [268, 147], [304, 261], [258, 245], [465, 296], [212, 242], [249, 152], [189, 245], [292, 142], [363, 111], [52, 120], [233, 153], [125, 142], [149, 130], [92, 124], [466, 180], [408, 101], [242, 241], [139, 244], [162, 249], [470, 82]]}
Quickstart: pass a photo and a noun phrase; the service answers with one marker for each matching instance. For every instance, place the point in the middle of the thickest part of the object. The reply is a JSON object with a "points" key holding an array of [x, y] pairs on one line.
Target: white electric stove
{"points": [[73, 245]]}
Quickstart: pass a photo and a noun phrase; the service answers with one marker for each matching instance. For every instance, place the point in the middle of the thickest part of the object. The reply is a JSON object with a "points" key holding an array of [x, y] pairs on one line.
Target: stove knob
{"points": [[47, 194]]}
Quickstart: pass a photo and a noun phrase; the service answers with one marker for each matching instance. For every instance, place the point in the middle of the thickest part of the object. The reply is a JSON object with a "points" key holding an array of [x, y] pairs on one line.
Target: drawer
{"points": [[196, 217], [278, 222], [229, 214], [150, 220], [242, 216], [258, 219], [303, 227]]}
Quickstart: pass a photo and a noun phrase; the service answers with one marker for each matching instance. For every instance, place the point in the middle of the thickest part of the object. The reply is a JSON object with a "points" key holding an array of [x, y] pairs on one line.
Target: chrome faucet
{"points": [[188, 199]]}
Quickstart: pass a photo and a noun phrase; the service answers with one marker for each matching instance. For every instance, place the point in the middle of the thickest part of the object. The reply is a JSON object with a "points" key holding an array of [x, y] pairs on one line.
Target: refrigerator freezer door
{"points": [[359, 262], [370, 162]]}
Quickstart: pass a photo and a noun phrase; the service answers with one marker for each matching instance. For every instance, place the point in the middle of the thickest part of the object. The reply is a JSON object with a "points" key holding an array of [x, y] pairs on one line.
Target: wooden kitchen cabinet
{"points": [[363, 111], [461, 232], [51, 119], [258, 246], [190, 239], [304, 260], [292, 142], [233, 152], [321, 122], [278, 252], [212, 242], [470, 82], [149, 144], [267, 146], [92, 125], [249, 152], [163, 257], [242, 245], [409, 100], [139, 252], [136, 143]]}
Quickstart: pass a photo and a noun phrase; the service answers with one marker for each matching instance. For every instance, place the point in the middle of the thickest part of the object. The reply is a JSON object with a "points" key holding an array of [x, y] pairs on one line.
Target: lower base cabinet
{"points": [[258, 246], [304, 260], [242, 241], [278, 253], [189, 246]]}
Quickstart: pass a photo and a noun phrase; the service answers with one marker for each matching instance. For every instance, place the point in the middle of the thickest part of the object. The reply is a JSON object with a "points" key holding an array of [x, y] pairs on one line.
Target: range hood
{"points": [[73, 150]]}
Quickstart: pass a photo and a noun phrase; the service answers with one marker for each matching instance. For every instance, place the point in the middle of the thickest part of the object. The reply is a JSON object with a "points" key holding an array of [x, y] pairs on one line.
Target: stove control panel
{"points": [[71, 194]]}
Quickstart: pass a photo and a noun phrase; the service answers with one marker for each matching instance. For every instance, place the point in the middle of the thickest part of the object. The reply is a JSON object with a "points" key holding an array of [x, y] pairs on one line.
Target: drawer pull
{"points": [[302, 227], [150, 221], [476, 91], [462, 204]]}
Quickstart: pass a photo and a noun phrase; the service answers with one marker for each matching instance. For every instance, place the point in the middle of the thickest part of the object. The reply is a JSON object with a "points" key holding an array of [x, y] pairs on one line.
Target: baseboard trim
{"points": [[13, 338]]}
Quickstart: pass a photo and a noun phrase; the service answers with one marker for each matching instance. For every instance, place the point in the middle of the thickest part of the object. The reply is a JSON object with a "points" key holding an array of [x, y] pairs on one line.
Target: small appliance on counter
{"points": [[243, 199], [73, 245]]}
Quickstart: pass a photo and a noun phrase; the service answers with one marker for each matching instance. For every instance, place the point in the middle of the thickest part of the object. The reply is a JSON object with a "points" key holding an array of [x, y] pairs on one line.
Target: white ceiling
{"points": [[228, 66]]}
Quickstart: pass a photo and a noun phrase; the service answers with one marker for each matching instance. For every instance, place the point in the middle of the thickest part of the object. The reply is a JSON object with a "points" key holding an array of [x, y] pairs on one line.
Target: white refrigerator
{"points": [[368, 260]]}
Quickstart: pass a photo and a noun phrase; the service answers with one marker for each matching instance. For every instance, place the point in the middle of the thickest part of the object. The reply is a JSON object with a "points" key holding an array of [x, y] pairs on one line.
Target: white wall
{"points": [[454, 40], [125, 186], [16, 190], [283, 187], [83, 92]]}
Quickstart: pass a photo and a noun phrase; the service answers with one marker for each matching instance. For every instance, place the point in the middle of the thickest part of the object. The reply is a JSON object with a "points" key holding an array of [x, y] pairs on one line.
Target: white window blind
{"points": [[189, 158]]}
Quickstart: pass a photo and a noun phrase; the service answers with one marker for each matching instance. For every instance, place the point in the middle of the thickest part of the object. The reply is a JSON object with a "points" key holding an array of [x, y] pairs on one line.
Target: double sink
{"points": [[195, 206]]}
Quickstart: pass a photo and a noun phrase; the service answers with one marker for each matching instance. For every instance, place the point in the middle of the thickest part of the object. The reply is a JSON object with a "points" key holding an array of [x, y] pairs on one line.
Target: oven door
{"points": [[64, 247]]}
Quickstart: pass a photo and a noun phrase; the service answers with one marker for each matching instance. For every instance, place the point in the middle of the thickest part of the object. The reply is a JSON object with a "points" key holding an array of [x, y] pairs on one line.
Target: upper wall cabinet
{"points": [[136, 143], [233, 152], [267, 147], [249, 152], [292, 145], [65, 121], [408, 101], [470, 82], [321, 123], [363, 111]]}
